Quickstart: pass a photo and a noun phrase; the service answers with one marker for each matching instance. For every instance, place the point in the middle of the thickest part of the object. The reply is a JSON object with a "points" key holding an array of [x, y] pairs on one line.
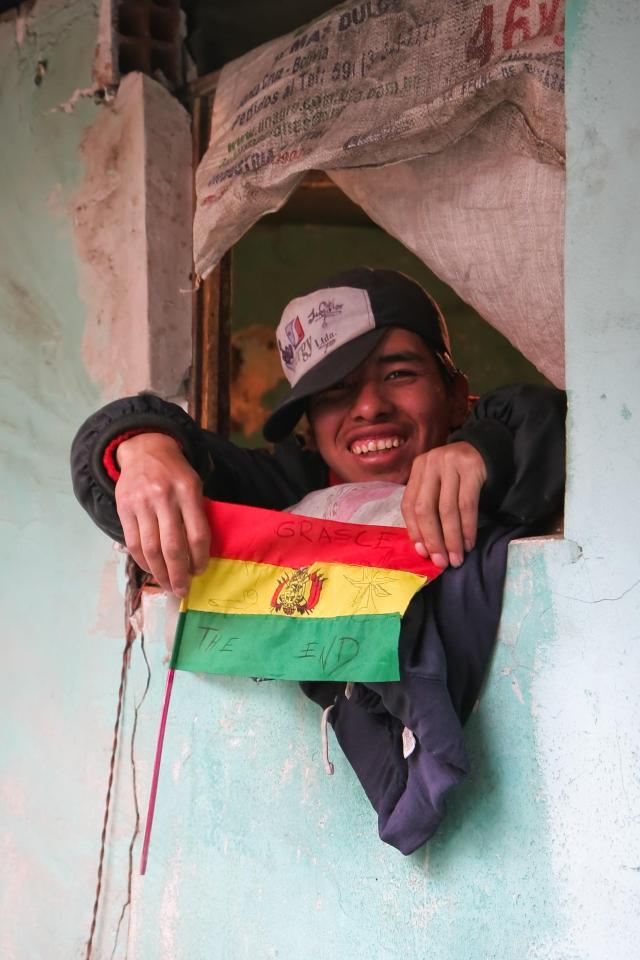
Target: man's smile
{"points": [[365, 446]]}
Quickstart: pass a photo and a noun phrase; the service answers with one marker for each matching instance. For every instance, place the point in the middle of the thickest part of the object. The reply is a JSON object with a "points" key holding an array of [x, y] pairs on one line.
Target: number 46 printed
{"points": [[523, 20]]}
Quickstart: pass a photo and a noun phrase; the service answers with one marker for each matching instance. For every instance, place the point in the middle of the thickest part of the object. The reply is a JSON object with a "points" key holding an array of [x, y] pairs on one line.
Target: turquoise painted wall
{"points": [[256, 853], [61, 620]]}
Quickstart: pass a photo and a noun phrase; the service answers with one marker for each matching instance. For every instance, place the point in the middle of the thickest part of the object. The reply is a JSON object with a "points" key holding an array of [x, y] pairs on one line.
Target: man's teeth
{"points": [[374, 446]]}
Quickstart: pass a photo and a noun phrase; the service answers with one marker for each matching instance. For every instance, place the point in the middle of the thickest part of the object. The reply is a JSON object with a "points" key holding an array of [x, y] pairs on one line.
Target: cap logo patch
{"points": [[333, 316], [295, 332], [325, 311]]}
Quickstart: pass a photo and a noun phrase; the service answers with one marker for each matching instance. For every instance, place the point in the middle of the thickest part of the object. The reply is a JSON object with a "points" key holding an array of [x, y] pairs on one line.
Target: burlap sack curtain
{"points": [[443, 119]]}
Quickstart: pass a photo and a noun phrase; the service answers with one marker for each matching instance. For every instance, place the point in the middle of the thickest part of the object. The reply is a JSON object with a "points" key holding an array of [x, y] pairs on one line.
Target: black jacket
{"points": [[449, 630]]}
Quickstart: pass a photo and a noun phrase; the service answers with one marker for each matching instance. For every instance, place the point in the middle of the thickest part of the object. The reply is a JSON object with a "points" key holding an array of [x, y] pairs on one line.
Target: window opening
{"points": [[237, 379]]}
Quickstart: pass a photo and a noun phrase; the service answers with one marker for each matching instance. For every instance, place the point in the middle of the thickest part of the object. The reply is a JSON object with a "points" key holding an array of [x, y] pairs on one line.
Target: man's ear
{"points": [[458, 400]]}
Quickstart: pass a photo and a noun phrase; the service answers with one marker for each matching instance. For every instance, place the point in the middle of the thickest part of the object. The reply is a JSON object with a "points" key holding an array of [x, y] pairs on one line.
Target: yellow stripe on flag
{"points": [[324, 589]]}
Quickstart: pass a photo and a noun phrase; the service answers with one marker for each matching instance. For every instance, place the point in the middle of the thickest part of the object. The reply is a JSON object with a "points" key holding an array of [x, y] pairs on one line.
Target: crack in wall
{"points": [[136, 580], [624, 593], [134, 787]]}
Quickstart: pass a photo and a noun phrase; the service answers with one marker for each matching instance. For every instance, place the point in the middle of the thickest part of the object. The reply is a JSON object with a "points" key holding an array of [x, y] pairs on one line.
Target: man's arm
{"points": [[163, 463], [506, 463], [94, 452], [159, 502]]}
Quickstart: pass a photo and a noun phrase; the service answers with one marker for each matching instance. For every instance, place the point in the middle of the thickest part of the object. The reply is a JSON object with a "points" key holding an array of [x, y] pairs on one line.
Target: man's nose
{"points": [[370, 401]]}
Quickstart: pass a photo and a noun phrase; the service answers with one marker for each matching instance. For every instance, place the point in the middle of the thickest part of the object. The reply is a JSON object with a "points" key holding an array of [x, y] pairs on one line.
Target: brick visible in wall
{"points": [[149, 38]]}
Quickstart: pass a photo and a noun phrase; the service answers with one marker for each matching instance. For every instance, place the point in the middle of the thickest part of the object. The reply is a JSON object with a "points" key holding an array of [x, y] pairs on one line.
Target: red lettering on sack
{"points": [[517, 28], [547, 17], [559, 37], [517, 25], [480, 45]]}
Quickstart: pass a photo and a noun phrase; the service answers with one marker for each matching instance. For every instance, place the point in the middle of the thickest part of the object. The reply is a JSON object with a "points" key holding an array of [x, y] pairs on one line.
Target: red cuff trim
{"points": [[109, 461], [109, 457]]}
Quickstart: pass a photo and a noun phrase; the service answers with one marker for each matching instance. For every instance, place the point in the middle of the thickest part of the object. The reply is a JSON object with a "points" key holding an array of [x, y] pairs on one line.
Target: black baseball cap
{"points": [[326, 333]]}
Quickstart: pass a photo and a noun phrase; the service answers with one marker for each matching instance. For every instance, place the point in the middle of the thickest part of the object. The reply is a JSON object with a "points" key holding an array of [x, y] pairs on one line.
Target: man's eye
{"points": [[334, 392], [400, 373], [336, 388]]}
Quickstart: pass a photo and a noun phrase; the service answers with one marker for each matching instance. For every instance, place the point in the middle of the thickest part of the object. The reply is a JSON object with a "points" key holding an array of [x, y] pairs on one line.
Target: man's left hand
{"points": [[440, 504]]}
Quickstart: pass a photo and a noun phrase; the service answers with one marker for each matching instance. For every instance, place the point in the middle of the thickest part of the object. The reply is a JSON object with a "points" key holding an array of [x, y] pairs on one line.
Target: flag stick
{"points": [[156, 773]]}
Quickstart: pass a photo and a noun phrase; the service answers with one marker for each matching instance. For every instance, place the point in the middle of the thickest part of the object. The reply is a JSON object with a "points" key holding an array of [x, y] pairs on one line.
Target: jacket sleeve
{"points": [[520, 433], [254, 477]]}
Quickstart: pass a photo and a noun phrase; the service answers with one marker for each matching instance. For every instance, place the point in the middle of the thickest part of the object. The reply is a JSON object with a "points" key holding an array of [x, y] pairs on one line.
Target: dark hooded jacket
{"points": [[449, 629]]}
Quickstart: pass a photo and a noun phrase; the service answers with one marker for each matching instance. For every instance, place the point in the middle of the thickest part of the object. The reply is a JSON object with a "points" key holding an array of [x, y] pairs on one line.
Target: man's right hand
{"points": [[159, 502]]}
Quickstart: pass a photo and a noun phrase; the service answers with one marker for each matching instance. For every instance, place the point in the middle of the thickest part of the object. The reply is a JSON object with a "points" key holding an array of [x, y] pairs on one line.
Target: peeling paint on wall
{"points": [[105, 71], [22, 15], [132, 218], [58, 682]]}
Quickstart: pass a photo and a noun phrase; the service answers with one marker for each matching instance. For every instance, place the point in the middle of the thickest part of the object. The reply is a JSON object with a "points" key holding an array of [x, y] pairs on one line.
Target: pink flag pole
{"points": [[156, 773]]}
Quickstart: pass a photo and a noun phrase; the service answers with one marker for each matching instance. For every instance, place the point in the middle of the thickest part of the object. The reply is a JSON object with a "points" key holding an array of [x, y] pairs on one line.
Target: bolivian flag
{"points": [[291, 597]]}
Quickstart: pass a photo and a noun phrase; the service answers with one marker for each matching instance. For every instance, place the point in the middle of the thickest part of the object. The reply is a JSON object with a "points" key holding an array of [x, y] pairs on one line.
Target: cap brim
{"points": [[337, 365]]}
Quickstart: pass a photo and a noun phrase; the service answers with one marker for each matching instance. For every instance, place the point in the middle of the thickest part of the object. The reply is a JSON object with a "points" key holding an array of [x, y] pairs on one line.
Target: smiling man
{"points": [[368, 359]]}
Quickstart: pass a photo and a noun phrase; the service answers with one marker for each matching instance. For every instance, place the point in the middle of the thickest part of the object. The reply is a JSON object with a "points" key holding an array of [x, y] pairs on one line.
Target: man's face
{"points": [[394, 406]]}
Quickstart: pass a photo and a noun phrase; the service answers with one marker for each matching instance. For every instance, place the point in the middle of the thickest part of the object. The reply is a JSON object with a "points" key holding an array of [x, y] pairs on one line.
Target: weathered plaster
{"points": [[588, 736], [22, 14], [603, 315], [587, 744], [58, 682], [132, 218], [105, 67]]}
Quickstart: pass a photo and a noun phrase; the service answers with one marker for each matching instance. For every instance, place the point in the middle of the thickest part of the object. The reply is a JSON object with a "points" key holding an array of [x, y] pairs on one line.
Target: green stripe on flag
{"points": [[360, 648]]}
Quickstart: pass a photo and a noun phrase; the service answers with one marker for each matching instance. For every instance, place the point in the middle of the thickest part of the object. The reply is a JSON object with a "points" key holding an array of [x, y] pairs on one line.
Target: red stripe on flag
{"points": [[290, 540]]}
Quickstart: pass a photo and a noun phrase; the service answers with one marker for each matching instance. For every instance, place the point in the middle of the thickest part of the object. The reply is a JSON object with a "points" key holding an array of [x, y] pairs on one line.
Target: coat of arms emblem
{"points": [[297, 592]]}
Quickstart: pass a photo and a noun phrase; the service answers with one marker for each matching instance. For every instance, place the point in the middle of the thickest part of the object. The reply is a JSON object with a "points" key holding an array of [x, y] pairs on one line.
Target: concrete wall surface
{"points": [[61, 610], [255, 852]]}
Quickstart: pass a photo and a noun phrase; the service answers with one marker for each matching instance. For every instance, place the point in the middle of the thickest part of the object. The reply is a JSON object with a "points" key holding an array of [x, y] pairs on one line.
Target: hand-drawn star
{"points": [[371, 585]]}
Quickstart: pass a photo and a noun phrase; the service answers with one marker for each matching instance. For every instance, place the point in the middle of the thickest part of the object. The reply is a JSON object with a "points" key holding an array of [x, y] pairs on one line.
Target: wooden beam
{"points": [[211, 315]]}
